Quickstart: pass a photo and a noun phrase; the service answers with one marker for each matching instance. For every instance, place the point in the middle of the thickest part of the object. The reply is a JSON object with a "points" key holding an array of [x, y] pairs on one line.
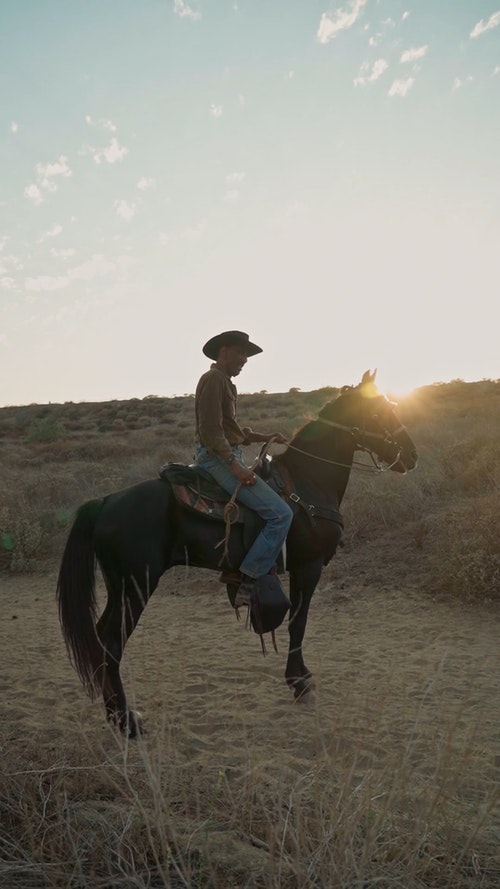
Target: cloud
{"points": [[377, 70], [401, 87], [10, 261], [340, 20], [46, 282], [481, 27], [145, 182], [7, 283], [458, 82], [216, 110], [95, 267], [113, 152], [46, 173], [51, 233], [411, 55], [235, 177], [124, 210], [184, 11], [103, 123], [62, 252], [195, 232], [14, 126], [232, 193], [33, 193]]}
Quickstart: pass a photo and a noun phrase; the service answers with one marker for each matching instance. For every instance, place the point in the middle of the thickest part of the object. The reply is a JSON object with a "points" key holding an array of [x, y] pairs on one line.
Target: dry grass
{"points": [[110, 814], [120, 815], [54, 457]]}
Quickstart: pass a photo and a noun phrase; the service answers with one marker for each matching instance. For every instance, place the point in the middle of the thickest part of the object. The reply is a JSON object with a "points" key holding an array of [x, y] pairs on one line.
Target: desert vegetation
{"points": [[56, 456], [380, 798]]}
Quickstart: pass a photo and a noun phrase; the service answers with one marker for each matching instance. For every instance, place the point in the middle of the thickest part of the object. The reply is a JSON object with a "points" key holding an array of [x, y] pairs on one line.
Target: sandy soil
{"points": [[399, 676]]}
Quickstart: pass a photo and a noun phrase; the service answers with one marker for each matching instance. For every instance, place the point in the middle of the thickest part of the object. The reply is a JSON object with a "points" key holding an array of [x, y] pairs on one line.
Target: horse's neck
{"points": [[319, 466]]}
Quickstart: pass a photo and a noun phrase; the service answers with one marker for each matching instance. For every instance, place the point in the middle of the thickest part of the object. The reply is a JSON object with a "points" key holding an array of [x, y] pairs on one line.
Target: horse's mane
{"points": [[306, 427]]}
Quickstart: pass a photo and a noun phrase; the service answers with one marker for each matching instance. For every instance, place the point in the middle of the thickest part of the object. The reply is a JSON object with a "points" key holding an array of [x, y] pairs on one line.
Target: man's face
{"points": [[234, 359]]}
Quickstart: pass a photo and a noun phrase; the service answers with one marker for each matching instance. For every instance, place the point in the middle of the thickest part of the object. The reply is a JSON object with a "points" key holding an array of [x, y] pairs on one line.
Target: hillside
{"points": [[442, 518]]}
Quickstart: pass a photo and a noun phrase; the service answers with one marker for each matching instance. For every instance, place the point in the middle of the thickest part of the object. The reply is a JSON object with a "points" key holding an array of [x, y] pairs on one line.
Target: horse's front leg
{"points": [[303, 582]]}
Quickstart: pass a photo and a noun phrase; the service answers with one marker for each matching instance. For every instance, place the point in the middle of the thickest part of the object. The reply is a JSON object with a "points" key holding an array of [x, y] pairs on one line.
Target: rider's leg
{"points": [[276, 514]]}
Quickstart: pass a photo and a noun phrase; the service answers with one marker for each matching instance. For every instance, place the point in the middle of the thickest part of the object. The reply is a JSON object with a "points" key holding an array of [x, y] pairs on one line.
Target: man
{"points": [[219, 440]]}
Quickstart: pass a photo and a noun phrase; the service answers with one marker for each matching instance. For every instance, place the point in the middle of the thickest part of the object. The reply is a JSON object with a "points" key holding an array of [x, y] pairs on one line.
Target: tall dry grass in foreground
{"points": [[112, 814]]}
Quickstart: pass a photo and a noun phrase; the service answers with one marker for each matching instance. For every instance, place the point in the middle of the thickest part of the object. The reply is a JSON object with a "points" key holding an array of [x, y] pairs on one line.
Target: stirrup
{"points": [[229, 576]]}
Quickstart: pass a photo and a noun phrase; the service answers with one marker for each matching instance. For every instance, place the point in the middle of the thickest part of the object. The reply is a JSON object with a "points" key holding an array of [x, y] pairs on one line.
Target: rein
{"points": [[356, 465], [387, 436], [355, 431], [359, 467]]}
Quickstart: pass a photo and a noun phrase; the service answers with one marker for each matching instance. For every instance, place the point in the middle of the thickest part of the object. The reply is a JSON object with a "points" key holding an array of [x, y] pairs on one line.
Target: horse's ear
{"points": [[368, 377]]}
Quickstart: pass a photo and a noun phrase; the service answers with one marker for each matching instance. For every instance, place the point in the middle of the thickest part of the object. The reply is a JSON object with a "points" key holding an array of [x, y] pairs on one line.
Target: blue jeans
{"points": [[264, 501]]}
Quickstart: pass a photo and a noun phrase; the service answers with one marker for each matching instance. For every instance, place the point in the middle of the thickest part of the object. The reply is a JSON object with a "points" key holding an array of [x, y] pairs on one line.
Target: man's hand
{"points": [[277, 438], [244, 475]]}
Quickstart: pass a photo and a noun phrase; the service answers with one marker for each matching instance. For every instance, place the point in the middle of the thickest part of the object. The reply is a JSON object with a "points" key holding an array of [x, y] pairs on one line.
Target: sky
{"points": [[324, 176]]}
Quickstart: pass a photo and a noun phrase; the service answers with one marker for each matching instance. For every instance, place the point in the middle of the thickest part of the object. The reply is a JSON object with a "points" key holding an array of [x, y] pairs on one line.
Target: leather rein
{"points": [[356, 433], [320, 512]]}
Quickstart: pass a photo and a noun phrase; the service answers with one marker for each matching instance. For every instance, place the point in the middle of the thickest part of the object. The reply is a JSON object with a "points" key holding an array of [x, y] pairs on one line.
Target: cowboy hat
{"points": [[230, 338]]}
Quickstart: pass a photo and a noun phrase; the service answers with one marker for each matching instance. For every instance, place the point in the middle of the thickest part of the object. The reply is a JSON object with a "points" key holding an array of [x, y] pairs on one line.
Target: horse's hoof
{"points": [[131, 724], [135, 724], [301, 685], [301, 690]]}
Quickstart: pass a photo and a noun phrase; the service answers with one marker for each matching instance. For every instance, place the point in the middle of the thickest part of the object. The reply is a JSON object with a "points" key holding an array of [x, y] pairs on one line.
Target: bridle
{"points": [[389, 436], [360, 435]]}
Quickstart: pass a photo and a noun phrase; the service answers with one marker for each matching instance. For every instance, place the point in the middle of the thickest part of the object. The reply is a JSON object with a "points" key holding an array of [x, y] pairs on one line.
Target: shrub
{"points": [[45, 429], [21, 538], [465, 550]]}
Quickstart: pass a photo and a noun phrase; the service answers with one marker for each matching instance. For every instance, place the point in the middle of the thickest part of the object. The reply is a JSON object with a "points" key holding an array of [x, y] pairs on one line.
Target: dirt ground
{"points": [[399, 676]]}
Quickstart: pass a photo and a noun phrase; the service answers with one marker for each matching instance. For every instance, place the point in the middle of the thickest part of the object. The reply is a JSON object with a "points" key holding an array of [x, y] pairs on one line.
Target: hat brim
{"points": [[230, 338]]}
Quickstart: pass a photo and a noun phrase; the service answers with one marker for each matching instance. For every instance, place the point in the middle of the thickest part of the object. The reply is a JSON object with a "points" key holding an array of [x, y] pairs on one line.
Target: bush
{"points": [[465, 550], [21, 539], [45, 429]]}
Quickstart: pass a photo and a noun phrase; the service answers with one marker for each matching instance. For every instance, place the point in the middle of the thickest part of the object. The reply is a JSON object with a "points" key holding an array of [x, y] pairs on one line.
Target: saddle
{"points": [[196, 490]]}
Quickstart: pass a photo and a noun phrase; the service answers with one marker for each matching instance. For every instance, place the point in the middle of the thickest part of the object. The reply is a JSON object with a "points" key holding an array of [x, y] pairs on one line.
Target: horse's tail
{"points": [[77, 600]]}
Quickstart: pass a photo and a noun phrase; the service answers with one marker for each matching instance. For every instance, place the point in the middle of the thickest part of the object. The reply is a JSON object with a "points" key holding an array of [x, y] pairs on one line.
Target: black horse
{"points": [[138, 533]]}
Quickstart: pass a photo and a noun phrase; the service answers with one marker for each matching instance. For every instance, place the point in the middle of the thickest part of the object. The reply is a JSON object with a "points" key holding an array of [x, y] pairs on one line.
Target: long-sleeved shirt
{"points": [[217, 428]]}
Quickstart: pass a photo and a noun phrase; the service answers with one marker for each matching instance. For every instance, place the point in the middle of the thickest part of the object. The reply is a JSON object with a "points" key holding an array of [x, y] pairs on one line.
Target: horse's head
{"points": [[371, 420]]}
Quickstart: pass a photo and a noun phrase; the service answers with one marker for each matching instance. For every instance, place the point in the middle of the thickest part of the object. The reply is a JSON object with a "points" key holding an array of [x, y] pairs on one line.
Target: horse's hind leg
{"points": [[126, 602]]}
